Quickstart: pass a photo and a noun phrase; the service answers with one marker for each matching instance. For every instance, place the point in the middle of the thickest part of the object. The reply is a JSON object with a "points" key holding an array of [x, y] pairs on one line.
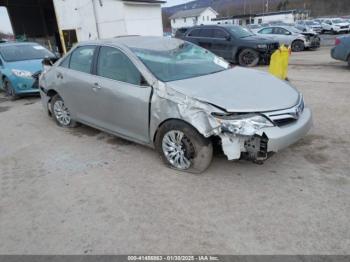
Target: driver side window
{"points": [[280, 31], [115, 65]]}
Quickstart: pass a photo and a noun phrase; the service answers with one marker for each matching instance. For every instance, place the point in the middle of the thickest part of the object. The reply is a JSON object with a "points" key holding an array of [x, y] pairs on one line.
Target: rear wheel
{"points": [[298, 46], [248, 57], [181, 147], [9, 90], [61, 113]]}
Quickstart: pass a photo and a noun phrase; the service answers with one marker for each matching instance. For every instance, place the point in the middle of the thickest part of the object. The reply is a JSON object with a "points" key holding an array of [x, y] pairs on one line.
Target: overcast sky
{"points": [[5, 25]]}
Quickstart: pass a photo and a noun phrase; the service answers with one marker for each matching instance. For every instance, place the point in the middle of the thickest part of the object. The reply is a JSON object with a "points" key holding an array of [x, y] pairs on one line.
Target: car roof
{"points": [[18, 43], [159, 43]]}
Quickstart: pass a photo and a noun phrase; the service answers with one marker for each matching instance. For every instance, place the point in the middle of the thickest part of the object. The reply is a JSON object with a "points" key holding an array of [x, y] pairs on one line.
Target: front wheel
{"points": [[248, 57], [10, 91], [298, 46], [181, 147], [61, 113]]}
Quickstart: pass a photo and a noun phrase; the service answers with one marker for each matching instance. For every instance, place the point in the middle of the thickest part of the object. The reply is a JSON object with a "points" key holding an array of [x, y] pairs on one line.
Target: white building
{"points": [[192, 17], [59, 24], [289, 16], [99, 19]]}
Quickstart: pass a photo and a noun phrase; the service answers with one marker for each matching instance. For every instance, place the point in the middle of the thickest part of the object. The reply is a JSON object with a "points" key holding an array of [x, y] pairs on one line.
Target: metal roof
{"points": [[190, 12]]}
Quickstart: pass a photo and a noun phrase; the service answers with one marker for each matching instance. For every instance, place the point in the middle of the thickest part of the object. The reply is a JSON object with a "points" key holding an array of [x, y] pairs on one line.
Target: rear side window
{"points": [[266, 31], [220, 33], [206, 33], [195, 33], [115, 65], [81, 59]]}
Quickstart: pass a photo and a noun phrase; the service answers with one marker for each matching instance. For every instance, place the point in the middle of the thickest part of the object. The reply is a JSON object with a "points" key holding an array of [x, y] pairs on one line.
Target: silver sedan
{"points": [[176, 97], [291, 36]]}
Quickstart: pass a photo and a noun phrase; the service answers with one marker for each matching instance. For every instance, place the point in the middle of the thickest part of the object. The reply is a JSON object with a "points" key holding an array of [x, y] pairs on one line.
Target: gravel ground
{"points": [[82, 191]]}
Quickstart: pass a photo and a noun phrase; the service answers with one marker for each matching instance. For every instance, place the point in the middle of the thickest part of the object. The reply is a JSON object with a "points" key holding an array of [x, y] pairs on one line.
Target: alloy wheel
{"points": [[177, 149], [61, 113]]}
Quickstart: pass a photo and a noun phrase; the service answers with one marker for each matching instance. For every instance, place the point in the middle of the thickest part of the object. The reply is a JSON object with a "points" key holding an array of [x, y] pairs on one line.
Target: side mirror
{"points": [[49, 61]]}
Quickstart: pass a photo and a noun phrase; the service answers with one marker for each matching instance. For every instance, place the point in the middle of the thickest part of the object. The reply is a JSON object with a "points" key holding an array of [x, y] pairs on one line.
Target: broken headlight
{"points": [[244, 124], [22, 73]]}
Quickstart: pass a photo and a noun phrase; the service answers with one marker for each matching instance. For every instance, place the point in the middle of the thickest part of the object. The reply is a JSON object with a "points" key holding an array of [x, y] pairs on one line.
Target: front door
{"points": [[121, 96]]}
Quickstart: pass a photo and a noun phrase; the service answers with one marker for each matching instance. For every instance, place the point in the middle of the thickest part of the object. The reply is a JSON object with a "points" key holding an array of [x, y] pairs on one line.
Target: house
{"points": [[289, 16], [192, 17], [58, 24]]}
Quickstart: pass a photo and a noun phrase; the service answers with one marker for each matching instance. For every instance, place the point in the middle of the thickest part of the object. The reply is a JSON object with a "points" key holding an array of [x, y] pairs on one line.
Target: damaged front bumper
{"points": [[266, 140]]}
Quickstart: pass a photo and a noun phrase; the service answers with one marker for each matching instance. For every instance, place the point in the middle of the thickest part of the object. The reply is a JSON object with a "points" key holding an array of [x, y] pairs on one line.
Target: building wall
{"points": [[78, 15], [114, 18], [143, 19], [205, 18], [287, 18]]}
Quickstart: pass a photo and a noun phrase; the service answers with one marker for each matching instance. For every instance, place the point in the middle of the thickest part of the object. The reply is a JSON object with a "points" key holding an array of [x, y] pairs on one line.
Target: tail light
{"points": [[337, 41]]}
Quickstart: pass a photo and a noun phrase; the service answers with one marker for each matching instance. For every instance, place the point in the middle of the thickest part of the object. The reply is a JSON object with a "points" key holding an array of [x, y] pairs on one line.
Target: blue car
{"points": [[19, 63], [341, 51]]}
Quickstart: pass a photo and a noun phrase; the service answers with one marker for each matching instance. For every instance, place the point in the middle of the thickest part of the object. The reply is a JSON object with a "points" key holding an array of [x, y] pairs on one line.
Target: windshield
{"points": [[184, 61], [239, 31], [20, 52], [294, 30]]}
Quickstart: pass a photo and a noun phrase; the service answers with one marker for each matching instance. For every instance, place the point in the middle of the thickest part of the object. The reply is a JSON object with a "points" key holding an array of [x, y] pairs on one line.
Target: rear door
{"points": [[221, 44], [74, 82], [120, 95]]}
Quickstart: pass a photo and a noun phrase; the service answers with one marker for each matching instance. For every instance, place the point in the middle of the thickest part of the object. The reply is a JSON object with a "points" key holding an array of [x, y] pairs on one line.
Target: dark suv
{"points": [[233, 43]]}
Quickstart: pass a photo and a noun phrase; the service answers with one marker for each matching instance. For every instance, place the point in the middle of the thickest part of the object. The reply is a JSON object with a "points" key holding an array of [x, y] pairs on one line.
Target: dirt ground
{"points": [[85, 192]]}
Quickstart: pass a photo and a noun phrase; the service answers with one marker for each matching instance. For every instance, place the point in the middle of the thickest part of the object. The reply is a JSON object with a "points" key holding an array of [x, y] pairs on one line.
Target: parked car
{"points": [[180, 32], [233, 43], [18, 63], [290, 36], [336, 26], [306, 25], [176, 97], [341, 51]]}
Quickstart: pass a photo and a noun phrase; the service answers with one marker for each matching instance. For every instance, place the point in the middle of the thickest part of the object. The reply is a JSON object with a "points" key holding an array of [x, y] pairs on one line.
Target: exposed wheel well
{"points": [[167, 120], [51, 93]]}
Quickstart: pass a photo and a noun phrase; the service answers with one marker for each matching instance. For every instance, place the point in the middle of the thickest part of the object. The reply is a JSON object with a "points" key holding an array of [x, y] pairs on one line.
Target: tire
{"points": [[196, 149], [61, 114], [9, 90], [298, 46], [248, 58]]}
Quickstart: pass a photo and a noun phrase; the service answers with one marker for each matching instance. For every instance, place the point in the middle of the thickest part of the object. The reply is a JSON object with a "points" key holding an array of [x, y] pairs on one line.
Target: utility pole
{"points": [[267, 6], [96, 17]]}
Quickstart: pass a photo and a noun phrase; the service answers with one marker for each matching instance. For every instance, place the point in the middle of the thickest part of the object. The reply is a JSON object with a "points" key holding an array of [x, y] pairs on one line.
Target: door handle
{"points": [[96, 86]]}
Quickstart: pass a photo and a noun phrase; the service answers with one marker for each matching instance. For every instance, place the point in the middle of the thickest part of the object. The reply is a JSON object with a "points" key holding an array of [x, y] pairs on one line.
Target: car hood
{"points": [[239, 90], [32, 66]]}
